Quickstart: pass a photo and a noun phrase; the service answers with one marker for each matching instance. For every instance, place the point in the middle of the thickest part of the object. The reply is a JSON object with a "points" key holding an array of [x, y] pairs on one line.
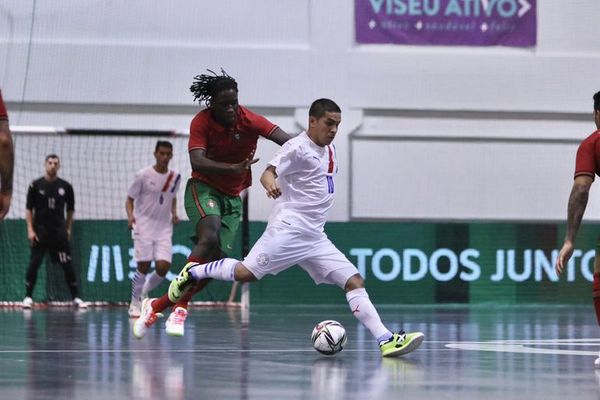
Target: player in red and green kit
{"points": [[7, 161], [587, 166], [222, 143]]}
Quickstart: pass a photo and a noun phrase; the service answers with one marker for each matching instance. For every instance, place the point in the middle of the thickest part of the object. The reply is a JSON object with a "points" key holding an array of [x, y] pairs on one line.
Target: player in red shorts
{"points": [[7, 161], [587, 166], [222, 143]]}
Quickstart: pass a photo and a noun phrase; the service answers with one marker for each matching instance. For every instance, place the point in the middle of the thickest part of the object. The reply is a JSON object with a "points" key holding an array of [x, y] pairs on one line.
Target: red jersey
{"points": [[3, 113], [229, 145], [588, 156]]}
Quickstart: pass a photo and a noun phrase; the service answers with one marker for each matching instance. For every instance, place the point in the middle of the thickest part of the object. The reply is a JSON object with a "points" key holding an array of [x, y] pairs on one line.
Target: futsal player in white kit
{"points": [[301, 178], [151, 207]]}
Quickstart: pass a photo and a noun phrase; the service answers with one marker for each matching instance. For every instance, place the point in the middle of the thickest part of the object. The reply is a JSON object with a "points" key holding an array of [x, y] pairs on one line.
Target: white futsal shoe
{"points": [[175, 323], [27, 303], [135, 308], [147, 318], [82, 305], [597, 362]]}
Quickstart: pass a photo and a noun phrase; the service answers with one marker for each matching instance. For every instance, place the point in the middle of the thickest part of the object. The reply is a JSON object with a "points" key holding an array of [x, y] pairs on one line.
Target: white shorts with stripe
{"points": [[280, 247]]}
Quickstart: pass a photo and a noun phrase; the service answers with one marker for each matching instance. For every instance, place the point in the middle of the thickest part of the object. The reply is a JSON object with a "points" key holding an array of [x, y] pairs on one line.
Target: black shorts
{"points": [[56, 243]]}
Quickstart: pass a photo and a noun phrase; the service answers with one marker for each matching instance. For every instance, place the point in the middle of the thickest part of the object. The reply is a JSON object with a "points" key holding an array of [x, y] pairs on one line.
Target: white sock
{"points": [[222, 270], [152, 280], [365, 312], [137, 283]]}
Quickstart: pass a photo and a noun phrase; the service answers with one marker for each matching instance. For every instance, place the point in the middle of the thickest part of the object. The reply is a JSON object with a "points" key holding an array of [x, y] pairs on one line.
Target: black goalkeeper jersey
{"points": [[47, 201]]}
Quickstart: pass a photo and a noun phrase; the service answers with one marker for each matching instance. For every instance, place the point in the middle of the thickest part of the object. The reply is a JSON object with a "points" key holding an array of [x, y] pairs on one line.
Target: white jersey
{"points": [[153, 195], [305, 172]]}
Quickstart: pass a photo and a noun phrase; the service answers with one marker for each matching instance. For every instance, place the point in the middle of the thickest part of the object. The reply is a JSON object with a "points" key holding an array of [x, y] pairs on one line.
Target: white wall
{"points": [[436, 112]]}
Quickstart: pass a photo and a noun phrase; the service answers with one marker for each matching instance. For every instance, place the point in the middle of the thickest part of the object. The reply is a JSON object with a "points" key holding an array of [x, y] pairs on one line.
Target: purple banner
{"points": [[447, 22]]}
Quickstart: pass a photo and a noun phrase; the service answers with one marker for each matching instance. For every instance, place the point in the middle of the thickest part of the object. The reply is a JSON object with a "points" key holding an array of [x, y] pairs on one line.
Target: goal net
{"points": [[100, 165]]}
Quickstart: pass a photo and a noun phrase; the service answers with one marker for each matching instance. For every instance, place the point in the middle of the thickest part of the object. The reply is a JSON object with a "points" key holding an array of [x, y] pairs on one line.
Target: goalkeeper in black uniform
{"points": [[47, 228]]}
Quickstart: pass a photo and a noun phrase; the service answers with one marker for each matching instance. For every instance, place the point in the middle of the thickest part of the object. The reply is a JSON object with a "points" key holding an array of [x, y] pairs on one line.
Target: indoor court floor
{"points": [[482, 352]]}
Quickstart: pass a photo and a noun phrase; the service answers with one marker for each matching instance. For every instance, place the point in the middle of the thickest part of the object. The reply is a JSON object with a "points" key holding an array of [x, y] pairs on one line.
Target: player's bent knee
{"points": [[162, 267], [207, 245], [243, 274], [143, 266], [354, 282]]}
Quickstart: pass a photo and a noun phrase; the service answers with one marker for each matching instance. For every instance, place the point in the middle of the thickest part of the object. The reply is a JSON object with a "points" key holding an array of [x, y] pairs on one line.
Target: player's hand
{"points": [[564, 255], [269, 181], [4, 204], [69, 234], [175, 219], [245, 165], [273, 190], [130, 223], [31, 235]]}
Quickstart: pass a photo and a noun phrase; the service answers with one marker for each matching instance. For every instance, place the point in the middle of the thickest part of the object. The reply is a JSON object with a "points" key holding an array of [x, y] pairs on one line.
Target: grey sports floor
{"points": [[469, 353]]}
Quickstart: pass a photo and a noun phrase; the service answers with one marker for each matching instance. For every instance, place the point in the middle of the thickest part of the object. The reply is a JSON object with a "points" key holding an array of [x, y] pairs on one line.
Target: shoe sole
{"points": [[135, 331], [411, 346], [175, 334]]}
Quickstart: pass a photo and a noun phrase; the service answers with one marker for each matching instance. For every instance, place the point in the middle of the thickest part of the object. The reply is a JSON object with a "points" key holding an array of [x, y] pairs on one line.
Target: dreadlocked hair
{"points": [[205, 87]]}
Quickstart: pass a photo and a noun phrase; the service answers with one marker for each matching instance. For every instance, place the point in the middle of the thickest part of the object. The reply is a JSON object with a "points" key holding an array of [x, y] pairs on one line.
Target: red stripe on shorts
{"points": [[198, 206]]}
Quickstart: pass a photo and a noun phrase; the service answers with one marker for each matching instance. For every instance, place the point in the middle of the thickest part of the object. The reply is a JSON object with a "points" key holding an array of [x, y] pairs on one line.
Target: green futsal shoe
{"points": [[401, 343], [181, 283]]}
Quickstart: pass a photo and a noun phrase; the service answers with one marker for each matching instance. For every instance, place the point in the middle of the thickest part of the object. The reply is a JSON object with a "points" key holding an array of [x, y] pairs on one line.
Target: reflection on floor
{"points": [[469, 353]]}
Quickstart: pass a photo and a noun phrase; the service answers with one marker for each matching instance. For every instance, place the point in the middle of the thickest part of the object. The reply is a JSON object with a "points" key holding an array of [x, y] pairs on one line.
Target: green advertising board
{"points": [[402, 263]]}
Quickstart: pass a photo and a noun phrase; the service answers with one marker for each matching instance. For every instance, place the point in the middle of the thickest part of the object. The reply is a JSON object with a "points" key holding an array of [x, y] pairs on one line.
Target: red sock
{"points": [[161, 304], [596, 295], [183, 302]]}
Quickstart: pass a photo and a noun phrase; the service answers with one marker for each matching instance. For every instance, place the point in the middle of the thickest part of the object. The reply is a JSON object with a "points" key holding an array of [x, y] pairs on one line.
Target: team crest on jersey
{"points": [[61, 191], [263, 259], [236, 136], [211, 203]]}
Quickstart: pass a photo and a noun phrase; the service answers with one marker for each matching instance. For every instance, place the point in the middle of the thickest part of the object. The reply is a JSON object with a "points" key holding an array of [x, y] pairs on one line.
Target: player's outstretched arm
{"points": [[279, 136], [200, 162], [576, 208], [7, 160], [269, 181]]}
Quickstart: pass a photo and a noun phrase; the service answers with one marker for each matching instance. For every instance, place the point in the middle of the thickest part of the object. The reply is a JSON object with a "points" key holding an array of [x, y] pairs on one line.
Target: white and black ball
{"points": [[329, 337]]}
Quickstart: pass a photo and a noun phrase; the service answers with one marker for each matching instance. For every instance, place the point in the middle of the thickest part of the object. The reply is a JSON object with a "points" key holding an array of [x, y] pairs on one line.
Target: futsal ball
{"points": [[328, 337]]}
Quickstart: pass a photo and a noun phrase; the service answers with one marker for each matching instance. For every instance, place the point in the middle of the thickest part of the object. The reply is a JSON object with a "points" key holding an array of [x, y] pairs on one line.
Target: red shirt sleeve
{"points": [[585, 162], [198, 132], [3, 113], [260, 124]]}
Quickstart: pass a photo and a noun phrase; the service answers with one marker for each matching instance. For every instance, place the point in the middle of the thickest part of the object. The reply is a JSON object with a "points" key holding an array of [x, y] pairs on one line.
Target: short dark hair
{"points": [[206, 87], [597, 101], [321, 106], [162, 143], [49, 156]]}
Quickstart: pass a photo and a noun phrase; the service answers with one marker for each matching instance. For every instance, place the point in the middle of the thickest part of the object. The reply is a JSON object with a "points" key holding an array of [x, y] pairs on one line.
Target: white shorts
{"points": [[280, 248], [147, 249]]}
